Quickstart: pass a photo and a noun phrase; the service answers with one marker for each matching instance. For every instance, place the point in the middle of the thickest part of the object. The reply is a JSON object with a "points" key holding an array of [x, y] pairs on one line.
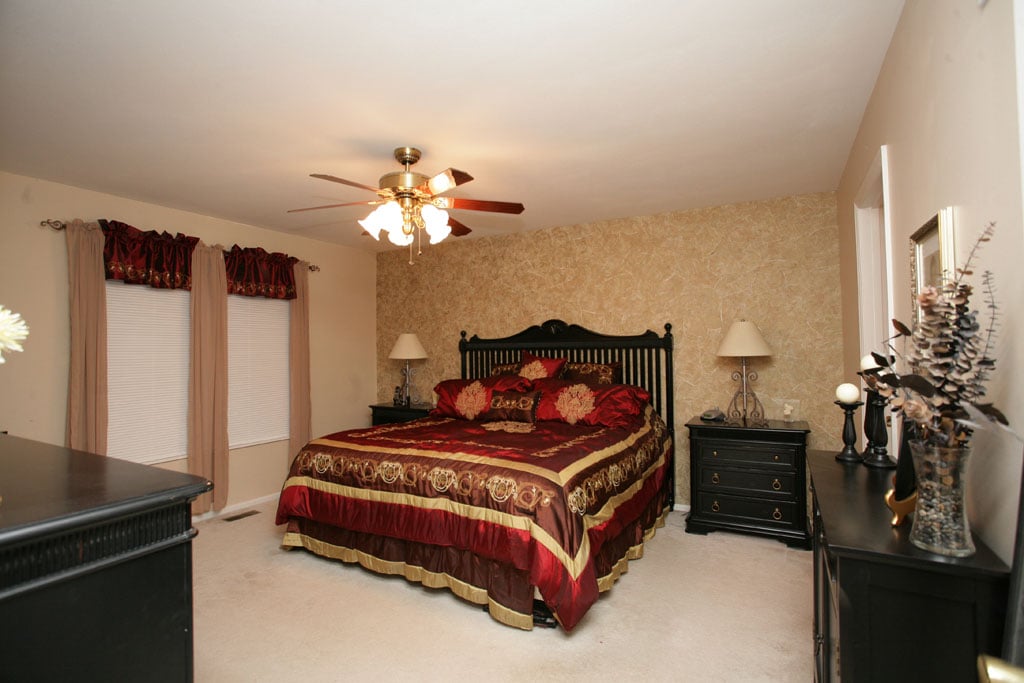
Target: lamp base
{"points": [[745, 405]]}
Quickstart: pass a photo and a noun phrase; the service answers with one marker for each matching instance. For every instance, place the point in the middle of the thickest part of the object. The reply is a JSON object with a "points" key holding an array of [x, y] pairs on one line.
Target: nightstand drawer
{"points": [[748, 453], [713, 506], [724, 479]]}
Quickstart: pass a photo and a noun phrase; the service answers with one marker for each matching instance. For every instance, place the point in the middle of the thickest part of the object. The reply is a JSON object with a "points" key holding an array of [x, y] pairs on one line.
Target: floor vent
{"points": [[241, 515]]}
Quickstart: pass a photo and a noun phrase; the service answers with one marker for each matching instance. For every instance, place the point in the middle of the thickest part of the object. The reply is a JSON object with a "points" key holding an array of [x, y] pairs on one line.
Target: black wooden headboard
{"points": [[646, 358]]}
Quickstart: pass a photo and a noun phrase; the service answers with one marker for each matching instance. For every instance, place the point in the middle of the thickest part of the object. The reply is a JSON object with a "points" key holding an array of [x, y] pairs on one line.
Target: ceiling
{"points": [[583, 110]]}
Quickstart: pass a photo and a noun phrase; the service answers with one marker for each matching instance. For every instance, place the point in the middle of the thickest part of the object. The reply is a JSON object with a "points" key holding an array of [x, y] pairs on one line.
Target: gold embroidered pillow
{"points": [[608, 405], [513, 406], [593, 373], [468, 399], [505, 369], [535, 367]]}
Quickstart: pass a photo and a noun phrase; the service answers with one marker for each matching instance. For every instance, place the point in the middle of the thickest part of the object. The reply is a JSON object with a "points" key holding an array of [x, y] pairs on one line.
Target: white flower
{"points": [[12, 331]]}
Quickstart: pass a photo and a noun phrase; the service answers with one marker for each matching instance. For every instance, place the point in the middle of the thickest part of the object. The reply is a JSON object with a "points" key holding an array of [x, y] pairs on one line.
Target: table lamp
{"points": [[744, 340], [407, 348]]}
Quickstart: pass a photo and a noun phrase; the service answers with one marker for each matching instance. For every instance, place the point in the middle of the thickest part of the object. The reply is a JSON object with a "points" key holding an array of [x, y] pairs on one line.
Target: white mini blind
{"points": [[147, 372], [258, 357]]}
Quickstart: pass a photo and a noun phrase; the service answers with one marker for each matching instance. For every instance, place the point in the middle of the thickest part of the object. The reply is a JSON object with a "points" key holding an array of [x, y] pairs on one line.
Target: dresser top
{"points": [[851, 499], [45, 488]]}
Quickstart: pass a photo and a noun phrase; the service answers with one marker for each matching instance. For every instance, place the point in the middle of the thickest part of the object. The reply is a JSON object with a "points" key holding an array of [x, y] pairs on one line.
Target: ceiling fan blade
{"points": [[477, 205], [334, 206], [445, 180], [335, 179], [458, 229]]}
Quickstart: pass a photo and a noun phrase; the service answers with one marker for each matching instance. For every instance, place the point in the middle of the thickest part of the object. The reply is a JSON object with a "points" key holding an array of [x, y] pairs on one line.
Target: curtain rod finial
{"points": [[51, 223]]}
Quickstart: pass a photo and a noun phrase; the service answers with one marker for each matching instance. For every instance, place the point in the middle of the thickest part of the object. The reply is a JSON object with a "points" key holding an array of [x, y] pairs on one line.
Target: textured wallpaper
{"points": [[774, 262]]}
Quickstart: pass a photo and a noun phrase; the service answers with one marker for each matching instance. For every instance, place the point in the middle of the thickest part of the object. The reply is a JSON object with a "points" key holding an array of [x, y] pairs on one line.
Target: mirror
{"points": [[932, 255]]}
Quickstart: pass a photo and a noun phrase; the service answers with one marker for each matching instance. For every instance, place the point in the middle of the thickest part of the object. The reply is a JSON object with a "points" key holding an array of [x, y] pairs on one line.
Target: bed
{"points": [[541, 473]]}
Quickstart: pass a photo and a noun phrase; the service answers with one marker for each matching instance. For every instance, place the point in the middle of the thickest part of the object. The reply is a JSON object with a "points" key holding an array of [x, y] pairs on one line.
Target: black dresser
{"points": [[885, 610], [95, 567], [749, 478]]}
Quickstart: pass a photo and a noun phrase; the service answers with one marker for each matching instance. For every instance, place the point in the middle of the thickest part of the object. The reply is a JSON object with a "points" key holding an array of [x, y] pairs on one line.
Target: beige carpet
{"points": [[722, 607]]}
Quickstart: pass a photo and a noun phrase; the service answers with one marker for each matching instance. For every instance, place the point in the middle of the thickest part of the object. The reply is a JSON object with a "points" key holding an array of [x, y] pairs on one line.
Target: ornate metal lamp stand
{"points": [[745, 405]]}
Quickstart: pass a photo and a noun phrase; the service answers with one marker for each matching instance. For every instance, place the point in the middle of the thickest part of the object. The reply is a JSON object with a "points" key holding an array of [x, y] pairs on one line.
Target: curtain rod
{"points": [[61, 225]]}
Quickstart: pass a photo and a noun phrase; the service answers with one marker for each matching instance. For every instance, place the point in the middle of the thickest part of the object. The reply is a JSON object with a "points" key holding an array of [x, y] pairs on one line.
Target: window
{"points": [[258, 389], [148, 359], [147, 372]]}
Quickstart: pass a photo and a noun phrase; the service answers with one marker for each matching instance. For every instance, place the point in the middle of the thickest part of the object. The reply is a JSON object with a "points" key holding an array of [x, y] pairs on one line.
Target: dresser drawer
{"points": [[752, 453], [724, 479], [713, 506]]}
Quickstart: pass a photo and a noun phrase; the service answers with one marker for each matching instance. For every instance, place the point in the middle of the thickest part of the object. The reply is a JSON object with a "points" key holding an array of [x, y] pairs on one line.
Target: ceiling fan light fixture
{"points": [[435, 222], [382, 218]]}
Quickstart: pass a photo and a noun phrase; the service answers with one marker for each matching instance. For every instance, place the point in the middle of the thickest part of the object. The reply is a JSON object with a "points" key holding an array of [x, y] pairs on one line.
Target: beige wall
{"points": [[945, 104], [774, 262], [33, 282]]}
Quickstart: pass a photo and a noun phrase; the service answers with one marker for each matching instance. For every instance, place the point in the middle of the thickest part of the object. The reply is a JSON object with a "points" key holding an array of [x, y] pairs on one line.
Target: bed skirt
{"points": [[505, 590]]}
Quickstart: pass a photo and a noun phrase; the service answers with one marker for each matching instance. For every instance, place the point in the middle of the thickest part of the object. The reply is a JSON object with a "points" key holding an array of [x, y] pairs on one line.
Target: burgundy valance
{"points": [[157, 259], [162, 260], [254, 272]]}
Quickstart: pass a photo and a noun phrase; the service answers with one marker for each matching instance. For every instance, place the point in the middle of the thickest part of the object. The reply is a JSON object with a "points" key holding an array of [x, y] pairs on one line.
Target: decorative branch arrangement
{"points": [[949, 357]]}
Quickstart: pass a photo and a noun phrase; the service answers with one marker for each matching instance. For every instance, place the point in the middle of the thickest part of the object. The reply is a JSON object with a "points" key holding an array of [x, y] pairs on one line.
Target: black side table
{"points": [[749, 478], [386, 413]]}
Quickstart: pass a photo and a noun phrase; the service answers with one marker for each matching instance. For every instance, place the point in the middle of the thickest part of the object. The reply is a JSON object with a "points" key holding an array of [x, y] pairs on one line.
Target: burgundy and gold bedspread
{"points": [[543, 497]]}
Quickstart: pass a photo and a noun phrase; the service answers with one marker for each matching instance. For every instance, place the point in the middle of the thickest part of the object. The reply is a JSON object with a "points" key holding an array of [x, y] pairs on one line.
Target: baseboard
{"points": [[232, 509], [680, 507]]}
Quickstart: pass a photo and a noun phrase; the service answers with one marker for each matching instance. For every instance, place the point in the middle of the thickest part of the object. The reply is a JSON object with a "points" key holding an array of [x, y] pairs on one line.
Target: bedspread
{"points": [[543, 497]]}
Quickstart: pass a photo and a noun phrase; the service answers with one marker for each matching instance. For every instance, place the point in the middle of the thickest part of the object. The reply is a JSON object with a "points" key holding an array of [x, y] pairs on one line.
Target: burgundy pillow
{"points": [[535, 367], [513, 406], [593, 373], [505, 369], [608, 405], [468, 399]]}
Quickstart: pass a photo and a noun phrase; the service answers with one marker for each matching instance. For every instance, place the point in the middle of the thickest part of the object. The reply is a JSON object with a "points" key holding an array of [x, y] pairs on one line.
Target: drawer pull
{"points": [[715, 507], [775, 457], [714, 453], [776, 485], [715, 478], [776, 514]]}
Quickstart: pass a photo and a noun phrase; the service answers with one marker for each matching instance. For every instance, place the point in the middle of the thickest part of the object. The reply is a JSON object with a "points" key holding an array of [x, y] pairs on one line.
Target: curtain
{"points": [[254, 272], [152, 258], [87, 376], [208, 376], [300, 412]]}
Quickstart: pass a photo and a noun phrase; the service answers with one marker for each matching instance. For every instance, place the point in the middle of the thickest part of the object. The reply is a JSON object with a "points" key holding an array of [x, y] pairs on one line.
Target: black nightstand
{"points": [[386, 413], [749, 478]]}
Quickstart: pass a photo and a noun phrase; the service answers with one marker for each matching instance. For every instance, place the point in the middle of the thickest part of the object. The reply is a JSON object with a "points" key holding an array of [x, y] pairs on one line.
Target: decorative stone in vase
{"points": [[940, 515]]}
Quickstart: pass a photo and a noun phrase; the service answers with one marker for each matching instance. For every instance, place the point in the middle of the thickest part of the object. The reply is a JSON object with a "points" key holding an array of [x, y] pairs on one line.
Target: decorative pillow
{"points": [[512, 406], [593, 373], [608, 405], [505, 369], [468, 399], [535, 367]]}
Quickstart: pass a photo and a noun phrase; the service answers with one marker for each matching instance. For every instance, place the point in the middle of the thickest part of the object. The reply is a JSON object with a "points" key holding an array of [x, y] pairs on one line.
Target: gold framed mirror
{"points": [[932, 255]]}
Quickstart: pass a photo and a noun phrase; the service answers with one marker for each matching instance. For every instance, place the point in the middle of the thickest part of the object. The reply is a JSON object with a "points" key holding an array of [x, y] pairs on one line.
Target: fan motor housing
{"points": [[402, 180]]}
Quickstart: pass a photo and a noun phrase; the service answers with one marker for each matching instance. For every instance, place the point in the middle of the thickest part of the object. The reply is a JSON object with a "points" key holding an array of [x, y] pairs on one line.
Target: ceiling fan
{"points": [[409, 203]]}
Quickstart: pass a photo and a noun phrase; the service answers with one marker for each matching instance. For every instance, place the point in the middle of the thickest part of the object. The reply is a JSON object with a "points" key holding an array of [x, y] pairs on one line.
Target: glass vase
{"points": [[940, 516]]}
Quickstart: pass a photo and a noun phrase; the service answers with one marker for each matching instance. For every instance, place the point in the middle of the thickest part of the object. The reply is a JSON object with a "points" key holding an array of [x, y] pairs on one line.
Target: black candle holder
{"points": [[849, 453], [876, 454]]}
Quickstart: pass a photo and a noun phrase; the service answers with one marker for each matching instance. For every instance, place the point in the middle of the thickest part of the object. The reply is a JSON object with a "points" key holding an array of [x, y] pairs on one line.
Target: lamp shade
{"points": [[744, 339], [407, 347]]}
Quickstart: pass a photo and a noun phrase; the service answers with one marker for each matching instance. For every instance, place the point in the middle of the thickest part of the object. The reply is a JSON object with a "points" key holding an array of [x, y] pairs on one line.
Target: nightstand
{"points": [[749, 478], [386, 413]]}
